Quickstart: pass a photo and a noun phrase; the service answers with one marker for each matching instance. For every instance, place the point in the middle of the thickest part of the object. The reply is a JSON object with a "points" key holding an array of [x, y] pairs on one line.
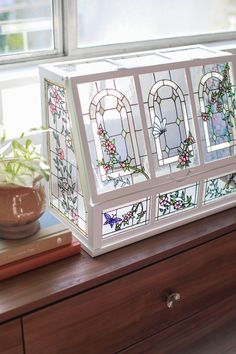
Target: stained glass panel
{"points": [[214, 95], [114, 133], [66, 194], [177, 201], [216, 188], [125, 217], [169, 120]]}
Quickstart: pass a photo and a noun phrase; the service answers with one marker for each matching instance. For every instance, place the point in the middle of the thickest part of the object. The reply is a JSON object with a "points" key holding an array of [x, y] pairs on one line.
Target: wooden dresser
{"points": [[159, 296]]}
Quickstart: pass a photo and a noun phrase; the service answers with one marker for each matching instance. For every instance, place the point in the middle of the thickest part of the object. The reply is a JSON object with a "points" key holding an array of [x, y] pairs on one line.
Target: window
{"points": [[21, 106], [125, 21], [28, 29], [140, 149], [31, 31], [25, 26], [28, 26], [106, 28]]}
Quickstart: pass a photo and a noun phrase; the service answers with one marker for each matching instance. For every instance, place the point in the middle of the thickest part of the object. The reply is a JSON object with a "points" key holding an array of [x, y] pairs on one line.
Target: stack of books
{"points": [[51, 243]]}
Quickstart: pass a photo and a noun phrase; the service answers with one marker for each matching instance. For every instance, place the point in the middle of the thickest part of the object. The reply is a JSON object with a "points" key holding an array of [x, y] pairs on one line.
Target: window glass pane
{"points": [[125, 217], [214, 94], [66, 193], [177, 201], [21, 109], [105, 21], [25, 25], [169, 120], [114, 131]]}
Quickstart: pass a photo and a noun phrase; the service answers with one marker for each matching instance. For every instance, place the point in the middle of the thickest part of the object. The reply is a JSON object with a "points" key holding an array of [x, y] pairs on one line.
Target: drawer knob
{"points": [[173, 299]]}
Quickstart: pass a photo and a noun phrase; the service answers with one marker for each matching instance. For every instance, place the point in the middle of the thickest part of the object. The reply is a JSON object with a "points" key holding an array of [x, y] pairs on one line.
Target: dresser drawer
{"points": [[211, 331], [124, 311], [10, 338]]}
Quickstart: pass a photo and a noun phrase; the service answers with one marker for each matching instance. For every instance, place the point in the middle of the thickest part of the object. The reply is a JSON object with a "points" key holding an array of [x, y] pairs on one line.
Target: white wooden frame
{"points": [[97, 203]]}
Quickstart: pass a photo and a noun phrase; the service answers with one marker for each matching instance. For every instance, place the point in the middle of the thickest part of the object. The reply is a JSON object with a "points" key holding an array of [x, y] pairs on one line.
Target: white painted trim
{"points": [[130, 47], [57, 12]]}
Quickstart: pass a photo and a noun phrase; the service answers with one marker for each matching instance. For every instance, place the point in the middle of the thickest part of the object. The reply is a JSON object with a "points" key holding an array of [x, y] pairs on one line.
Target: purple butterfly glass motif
{"points": [[135, 214], [111, 220]]}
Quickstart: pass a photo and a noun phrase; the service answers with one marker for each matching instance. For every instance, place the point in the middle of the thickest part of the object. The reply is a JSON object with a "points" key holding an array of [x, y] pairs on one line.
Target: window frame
{"points": [[65, 40], [65, 22], [57, 11], [70, 9]]}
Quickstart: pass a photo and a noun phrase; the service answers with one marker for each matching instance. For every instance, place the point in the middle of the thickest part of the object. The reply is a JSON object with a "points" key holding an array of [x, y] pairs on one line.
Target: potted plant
{"points": [[22, 193]]}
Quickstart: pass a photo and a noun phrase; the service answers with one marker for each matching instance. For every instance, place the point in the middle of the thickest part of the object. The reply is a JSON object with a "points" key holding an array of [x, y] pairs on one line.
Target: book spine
{"points": [[40, 260], [37, 246]]}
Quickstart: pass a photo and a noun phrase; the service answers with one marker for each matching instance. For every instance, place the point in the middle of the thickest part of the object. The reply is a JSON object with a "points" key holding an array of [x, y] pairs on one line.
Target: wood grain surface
{"points": [[10, 338], [35, 289], [120, 313], [212, 331]]}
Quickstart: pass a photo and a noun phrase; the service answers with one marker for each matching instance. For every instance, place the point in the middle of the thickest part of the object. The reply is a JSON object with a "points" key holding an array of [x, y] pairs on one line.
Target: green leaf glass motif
{"points": [[125, 217], [216, 103], [185, 152], [109, 147], [177, 201], [63, 159], [219, 187]]}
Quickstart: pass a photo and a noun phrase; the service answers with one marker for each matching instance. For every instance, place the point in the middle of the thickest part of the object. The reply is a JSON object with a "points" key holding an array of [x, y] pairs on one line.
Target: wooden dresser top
{"points": [[41, 287]]}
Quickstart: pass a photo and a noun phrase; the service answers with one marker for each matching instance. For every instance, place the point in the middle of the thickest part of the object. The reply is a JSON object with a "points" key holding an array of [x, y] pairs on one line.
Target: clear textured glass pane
{"points": [[25, 25], [105, 21]]}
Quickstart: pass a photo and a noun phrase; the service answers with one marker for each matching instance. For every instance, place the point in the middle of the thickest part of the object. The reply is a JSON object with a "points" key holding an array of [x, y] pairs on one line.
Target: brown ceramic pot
{"points": [[20, 209]]}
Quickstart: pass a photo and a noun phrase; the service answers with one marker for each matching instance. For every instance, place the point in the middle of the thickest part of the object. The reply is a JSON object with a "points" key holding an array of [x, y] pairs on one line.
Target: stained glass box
{"points": [[140, 144]]}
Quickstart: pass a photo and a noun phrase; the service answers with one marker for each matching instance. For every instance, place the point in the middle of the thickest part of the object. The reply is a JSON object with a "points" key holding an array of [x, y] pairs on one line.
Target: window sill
{"points": [[30, 68]]}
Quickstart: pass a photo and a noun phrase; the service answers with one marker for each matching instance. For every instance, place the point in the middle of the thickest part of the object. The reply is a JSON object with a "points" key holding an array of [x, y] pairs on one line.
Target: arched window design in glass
{"points": [[65, 188], [169, 119], [114, 132], [215, 101], [125, 217]]}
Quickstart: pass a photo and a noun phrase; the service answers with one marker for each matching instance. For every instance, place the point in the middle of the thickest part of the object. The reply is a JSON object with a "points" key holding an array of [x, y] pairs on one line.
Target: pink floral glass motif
{"points": [[169, 120], [215, 102], [66, 194], [125, 217], [114, 131], [177, 201]]}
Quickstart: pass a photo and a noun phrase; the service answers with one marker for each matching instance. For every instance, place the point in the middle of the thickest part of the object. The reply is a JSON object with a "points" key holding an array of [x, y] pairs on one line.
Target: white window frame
{"points": [[70, 9], [65, 42], [57, 10]]}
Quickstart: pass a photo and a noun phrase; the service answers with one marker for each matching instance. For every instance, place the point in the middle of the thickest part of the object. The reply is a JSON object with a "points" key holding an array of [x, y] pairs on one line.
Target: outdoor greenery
{"points": [[20, 163]]}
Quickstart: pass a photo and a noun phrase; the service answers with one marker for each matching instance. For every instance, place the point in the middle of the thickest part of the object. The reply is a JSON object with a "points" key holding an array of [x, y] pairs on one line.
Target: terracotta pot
{"points": [[20, 209]]}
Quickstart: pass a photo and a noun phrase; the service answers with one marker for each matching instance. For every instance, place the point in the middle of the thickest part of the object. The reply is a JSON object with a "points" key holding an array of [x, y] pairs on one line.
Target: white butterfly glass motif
{"points": [[159, 127]]}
